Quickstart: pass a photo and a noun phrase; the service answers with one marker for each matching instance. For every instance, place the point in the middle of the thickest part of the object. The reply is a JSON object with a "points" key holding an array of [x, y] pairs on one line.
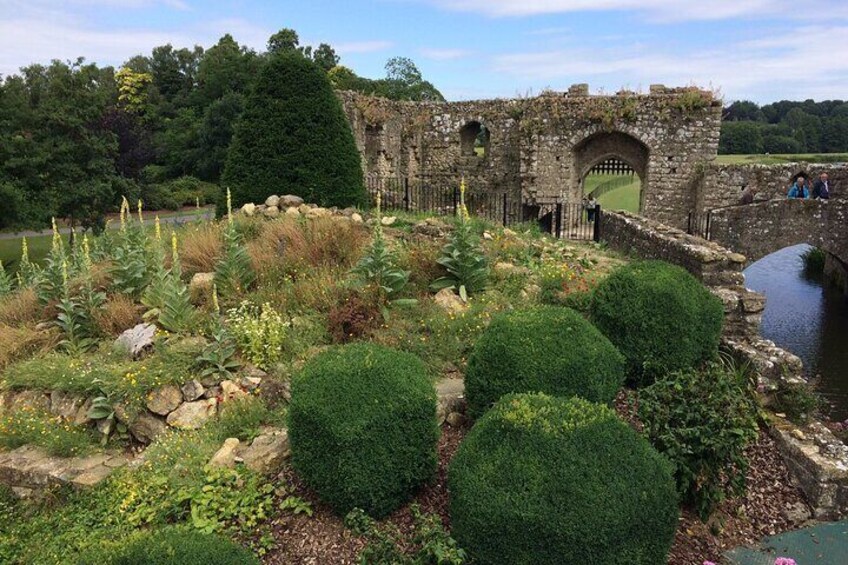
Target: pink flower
{"points": [[784, 561], [709, 563]]}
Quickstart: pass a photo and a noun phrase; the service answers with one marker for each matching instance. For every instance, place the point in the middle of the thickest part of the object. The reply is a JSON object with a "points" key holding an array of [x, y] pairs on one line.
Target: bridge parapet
{"points": [[756, 230]]}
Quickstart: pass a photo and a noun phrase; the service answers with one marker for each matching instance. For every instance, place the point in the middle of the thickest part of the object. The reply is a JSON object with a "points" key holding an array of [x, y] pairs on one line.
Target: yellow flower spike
{"points": [[158, 229], [174, 255], [24, 251], [215, 304], [229, 206], [197, 202], [65, 274], [140, 215], [124, 207]]}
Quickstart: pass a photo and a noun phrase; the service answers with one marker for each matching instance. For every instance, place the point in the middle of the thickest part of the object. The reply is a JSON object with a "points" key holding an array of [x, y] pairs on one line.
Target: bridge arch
{"points": [[604, 146]]}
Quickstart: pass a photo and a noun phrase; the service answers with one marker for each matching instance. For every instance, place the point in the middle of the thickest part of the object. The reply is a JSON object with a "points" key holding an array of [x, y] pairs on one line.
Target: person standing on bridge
{"points": [[821, 189], [799, 188]]}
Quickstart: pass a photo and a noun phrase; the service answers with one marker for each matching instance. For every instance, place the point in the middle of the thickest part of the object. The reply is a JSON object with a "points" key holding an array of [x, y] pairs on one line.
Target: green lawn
{"points": [[777, 159], [623, 198], [10, 250]]}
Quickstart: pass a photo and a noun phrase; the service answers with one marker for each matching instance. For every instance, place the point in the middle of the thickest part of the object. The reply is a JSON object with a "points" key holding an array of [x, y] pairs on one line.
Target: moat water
{"points": [[808, 318]]}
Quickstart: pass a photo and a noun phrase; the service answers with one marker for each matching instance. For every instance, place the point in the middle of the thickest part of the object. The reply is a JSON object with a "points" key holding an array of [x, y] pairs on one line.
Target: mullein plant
{"points": [[176, 314], [462, 257], [154, 295], [234, 273], [379, 267], [73, 320], [131, 262], [90, 297], [50, 283]]}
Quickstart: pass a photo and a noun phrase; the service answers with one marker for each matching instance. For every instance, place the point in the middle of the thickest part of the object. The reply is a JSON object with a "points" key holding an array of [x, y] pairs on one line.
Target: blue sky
{"points": [[763, 50]]}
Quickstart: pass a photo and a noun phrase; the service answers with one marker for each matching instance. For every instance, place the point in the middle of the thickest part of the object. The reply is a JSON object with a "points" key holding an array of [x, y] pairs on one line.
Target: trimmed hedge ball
{"points": [[176, 546], [660, 317], [547, 349], [362, 426], [541, 479]]}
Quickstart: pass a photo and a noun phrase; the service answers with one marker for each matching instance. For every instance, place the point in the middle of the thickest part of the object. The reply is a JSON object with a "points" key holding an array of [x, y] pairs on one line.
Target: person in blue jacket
{"points": [[799, 188]]}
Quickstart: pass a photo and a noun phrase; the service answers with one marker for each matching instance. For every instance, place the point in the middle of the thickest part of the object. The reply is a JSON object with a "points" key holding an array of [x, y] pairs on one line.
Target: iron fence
{"points": [[567, 220], [699, 224]]}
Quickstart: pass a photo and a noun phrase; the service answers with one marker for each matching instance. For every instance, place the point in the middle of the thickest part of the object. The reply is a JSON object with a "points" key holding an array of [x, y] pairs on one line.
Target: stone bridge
{"points": [[756, 230]]}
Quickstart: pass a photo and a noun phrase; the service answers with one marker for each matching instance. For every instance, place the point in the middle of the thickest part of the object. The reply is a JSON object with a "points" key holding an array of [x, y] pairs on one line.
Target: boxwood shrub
{"points": [[546, 349], [541, 479], [659, 316], [176, 546], [362, 426]]}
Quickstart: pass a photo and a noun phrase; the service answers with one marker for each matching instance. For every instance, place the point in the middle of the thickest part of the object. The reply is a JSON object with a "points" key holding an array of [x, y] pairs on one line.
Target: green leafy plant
{"points": [[5, 281], [797, 399], [431, 544], [261, 333], [229, 499], [233, 273], [540, 479], [28, 272], [52, 282], [702, 420], [296, 505], [218, 357], [130, 259], [379, 265], [462, 257], [176, 313], [72, 320]]}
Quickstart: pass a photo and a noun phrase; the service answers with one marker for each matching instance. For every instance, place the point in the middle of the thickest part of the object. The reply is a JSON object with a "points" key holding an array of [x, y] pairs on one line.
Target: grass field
{"points": [[777, 159], [10, 250], [623, 198]]}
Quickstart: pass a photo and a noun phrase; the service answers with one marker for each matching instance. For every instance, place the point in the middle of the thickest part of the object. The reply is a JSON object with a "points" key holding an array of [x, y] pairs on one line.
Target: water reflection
{"points": [[807, 319]]}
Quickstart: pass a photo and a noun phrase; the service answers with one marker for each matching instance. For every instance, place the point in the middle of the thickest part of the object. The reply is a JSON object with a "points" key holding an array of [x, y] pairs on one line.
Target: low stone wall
{"points": [[817, 459], [723, 184]]}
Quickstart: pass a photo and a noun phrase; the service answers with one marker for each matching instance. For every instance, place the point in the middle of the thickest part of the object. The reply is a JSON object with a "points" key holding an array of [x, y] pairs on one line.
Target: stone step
{"points": [[30, 468]]}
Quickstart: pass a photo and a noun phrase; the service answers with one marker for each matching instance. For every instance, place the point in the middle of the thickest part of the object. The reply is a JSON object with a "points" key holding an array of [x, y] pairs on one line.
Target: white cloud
{"points": [[760, 68], [444, 54], [660, 10]]}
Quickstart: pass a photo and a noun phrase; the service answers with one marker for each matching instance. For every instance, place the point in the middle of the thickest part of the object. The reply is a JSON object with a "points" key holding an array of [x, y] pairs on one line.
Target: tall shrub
{"points": [[659, 316], [294, 138]]}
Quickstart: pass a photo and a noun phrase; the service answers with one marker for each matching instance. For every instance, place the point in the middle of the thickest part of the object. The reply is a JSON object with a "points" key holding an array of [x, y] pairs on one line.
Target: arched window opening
{"points": [[474, 139]]}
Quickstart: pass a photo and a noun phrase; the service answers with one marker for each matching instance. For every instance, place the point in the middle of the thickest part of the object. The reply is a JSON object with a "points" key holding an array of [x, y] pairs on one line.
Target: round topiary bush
{"points": [[293, 138], [547, 349], [362, 426], [543, 480], [659, 316], [175, 546]]}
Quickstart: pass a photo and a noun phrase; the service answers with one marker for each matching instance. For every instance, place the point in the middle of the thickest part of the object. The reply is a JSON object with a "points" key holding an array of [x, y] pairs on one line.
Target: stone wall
{"points": [[817, 459], [723, 184], [541, 148], [759, 229]]}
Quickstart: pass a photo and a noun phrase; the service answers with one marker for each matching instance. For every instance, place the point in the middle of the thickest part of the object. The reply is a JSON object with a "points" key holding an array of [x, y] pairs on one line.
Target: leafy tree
{"points": [[294, 138], [743, 110], [284, 40], [740, 138], [325, 57]]}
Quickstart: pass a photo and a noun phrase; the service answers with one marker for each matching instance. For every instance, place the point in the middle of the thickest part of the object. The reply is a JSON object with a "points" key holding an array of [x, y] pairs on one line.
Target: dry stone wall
{"points": [[541, 148]]}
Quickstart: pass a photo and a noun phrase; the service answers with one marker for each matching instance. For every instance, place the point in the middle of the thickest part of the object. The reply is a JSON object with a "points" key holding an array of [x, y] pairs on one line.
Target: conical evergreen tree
{"points": [[293, 138]]}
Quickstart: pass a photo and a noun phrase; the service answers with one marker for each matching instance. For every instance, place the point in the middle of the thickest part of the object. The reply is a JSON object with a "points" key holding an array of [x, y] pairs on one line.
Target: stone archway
{"points": [[605, 146]]}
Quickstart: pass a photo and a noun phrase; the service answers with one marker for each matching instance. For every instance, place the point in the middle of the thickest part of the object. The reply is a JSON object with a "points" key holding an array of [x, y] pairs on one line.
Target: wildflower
{"points": [[158, 229], [140, 216], [784, 561]]}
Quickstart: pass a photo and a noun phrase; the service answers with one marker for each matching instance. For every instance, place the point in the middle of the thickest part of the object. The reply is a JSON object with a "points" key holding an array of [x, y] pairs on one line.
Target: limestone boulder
{"points": [[293, 212], [32, 400], [192, 390], [200, 287], [313, 213], [164, 399], [289, 200], [137, 339], [449, 301], [356, 218], [193, 415], [272, 201], [231, 391], [248, 209], [388, 220], [271, 212], [146, 427], [267, 453], [226, 455], [65, 404]]}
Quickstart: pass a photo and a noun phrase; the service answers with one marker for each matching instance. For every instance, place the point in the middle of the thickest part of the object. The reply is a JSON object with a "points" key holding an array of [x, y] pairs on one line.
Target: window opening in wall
{"points": [[474, 139]]}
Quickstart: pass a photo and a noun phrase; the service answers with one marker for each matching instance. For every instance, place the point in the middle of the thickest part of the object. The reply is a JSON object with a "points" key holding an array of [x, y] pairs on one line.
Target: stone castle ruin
{"points": [[540, 149]]}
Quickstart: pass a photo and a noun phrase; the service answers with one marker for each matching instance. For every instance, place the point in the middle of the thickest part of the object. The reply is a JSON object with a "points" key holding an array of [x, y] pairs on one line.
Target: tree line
{"points": [[75, 137], [785, 127]]}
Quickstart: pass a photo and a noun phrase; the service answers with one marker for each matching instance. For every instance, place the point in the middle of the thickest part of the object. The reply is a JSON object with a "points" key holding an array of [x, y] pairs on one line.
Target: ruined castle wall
{"points": [[540, 148]]}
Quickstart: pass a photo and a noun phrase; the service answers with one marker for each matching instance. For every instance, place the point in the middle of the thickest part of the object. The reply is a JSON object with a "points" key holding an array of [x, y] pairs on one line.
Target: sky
{"points": [[761, 50]]}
